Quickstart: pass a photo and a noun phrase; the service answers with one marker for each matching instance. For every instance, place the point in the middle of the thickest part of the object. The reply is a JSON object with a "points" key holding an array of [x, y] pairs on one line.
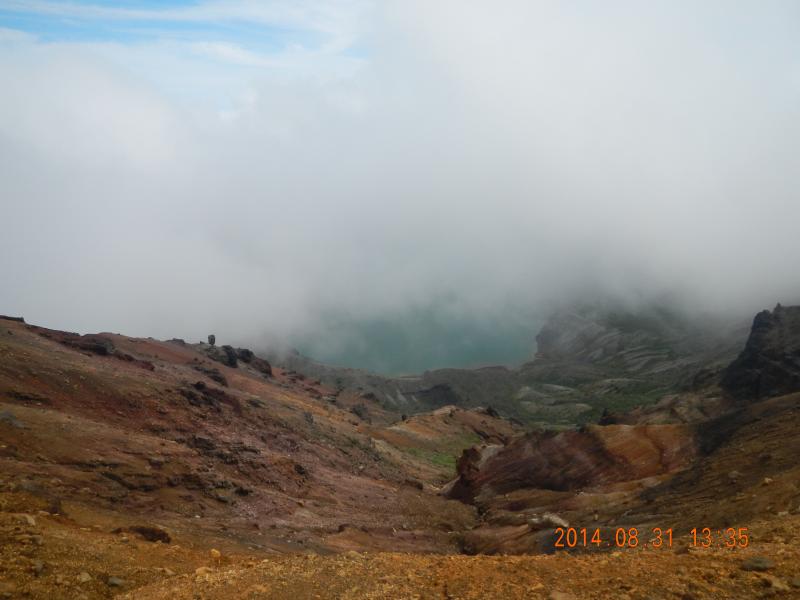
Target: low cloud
{"points": [[485, 163]]}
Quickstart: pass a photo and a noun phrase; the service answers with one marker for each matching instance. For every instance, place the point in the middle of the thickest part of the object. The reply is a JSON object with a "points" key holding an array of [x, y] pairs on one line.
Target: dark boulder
{"points": [[259, 364], [95, 344], [491, 412], [146, 532], [230, 355], [245, 355], [8, 417], [212, 339], [212, 373], [225, 355], [361, 411], [200, 394], [203, 444], [608, 418]]}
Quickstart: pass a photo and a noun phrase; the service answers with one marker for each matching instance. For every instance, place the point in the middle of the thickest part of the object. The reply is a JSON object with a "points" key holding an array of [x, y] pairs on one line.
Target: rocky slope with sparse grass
{"points": [[148, 469], [104, 437]]}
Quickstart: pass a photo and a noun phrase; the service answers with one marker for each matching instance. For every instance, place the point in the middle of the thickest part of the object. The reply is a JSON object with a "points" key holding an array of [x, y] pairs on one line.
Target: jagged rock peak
{"points": [[769, 365]]}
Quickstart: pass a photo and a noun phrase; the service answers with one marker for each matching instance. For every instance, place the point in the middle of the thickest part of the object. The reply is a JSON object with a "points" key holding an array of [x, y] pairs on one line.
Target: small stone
{"points": [[758, 563], [561, 596], [28, 520], [115, 582], [168, 572], [203, 570], [795, 582], [775, 583], [215, 554], [767, 481], [37, 567], [84, 577], [547, 520]]}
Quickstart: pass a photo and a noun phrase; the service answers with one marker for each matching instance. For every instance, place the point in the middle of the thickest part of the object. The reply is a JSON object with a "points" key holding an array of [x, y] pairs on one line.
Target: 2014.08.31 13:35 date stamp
{"points": [[656, 537]]}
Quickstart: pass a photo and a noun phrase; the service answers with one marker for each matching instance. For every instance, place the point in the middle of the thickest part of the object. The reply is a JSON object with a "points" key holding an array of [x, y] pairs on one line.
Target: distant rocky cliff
{"points": [[681, 445], [588, 360], [769, 365]]}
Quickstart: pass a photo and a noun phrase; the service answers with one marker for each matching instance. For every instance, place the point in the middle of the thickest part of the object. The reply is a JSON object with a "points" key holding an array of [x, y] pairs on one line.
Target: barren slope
{"points": [[107, 433]]}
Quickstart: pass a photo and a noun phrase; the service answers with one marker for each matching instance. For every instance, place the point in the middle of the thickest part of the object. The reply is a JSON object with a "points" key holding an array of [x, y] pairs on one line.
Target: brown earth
{"points": [[630, 574], [106, 433], [145, 468]]}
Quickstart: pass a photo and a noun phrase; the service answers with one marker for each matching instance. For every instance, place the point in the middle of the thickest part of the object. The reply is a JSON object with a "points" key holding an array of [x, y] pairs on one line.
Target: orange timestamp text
{"points": [[656, 537]]}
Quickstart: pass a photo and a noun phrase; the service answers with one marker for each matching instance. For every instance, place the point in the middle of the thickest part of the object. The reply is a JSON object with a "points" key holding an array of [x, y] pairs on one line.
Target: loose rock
{"points": [[37, 567], [758, 563], [84, 577]]}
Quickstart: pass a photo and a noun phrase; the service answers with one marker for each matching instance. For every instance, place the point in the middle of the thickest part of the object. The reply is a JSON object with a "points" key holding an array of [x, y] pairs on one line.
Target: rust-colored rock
{"points": [[571, 460]]}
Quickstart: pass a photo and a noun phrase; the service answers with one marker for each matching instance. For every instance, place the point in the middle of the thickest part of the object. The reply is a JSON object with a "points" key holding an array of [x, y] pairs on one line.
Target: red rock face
{"points": [[573, 460]]}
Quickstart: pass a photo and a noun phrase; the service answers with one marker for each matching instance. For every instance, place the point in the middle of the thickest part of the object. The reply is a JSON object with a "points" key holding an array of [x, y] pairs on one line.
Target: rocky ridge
{"points": [[588, 361], [769, 365], [616, 472]]}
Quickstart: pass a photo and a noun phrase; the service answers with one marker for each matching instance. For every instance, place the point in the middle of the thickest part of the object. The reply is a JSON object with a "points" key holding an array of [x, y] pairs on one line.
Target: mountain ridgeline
{"points": [[590, 361]]}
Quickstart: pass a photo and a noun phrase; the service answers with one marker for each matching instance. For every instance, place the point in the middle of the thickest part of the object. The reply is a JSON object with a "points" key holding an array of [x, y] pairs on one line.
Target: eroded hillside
{"points": [[588, 360], [179, 443], [172, 470]]}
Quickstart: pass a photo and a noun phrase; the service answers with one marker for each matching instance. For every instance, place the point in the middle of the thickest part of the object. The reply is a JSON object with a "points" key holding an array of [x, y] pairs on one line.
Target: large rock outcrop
{"points": [[573, 460], [769, 365], [569, 335]]}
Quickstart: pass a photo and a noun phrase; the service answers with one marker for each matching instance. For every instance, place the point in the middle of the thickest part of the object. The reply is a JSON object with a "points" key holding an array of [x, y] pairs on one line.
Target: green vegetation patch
{"points": [[445, 453], [443, 460]]}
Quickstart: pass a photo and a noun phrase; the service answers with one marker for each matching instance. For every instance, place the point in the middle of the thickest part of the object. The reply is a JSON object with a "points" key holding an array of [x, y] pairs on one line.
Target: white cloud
{"points": [[486, 158], [233, 53], [13, 36]]}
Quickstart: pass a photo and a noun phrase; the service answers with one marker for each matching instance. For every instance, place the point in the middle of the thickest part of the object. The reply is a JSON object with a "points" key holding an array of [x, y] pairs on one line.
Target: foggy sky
{"points": [[490, 160]]}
